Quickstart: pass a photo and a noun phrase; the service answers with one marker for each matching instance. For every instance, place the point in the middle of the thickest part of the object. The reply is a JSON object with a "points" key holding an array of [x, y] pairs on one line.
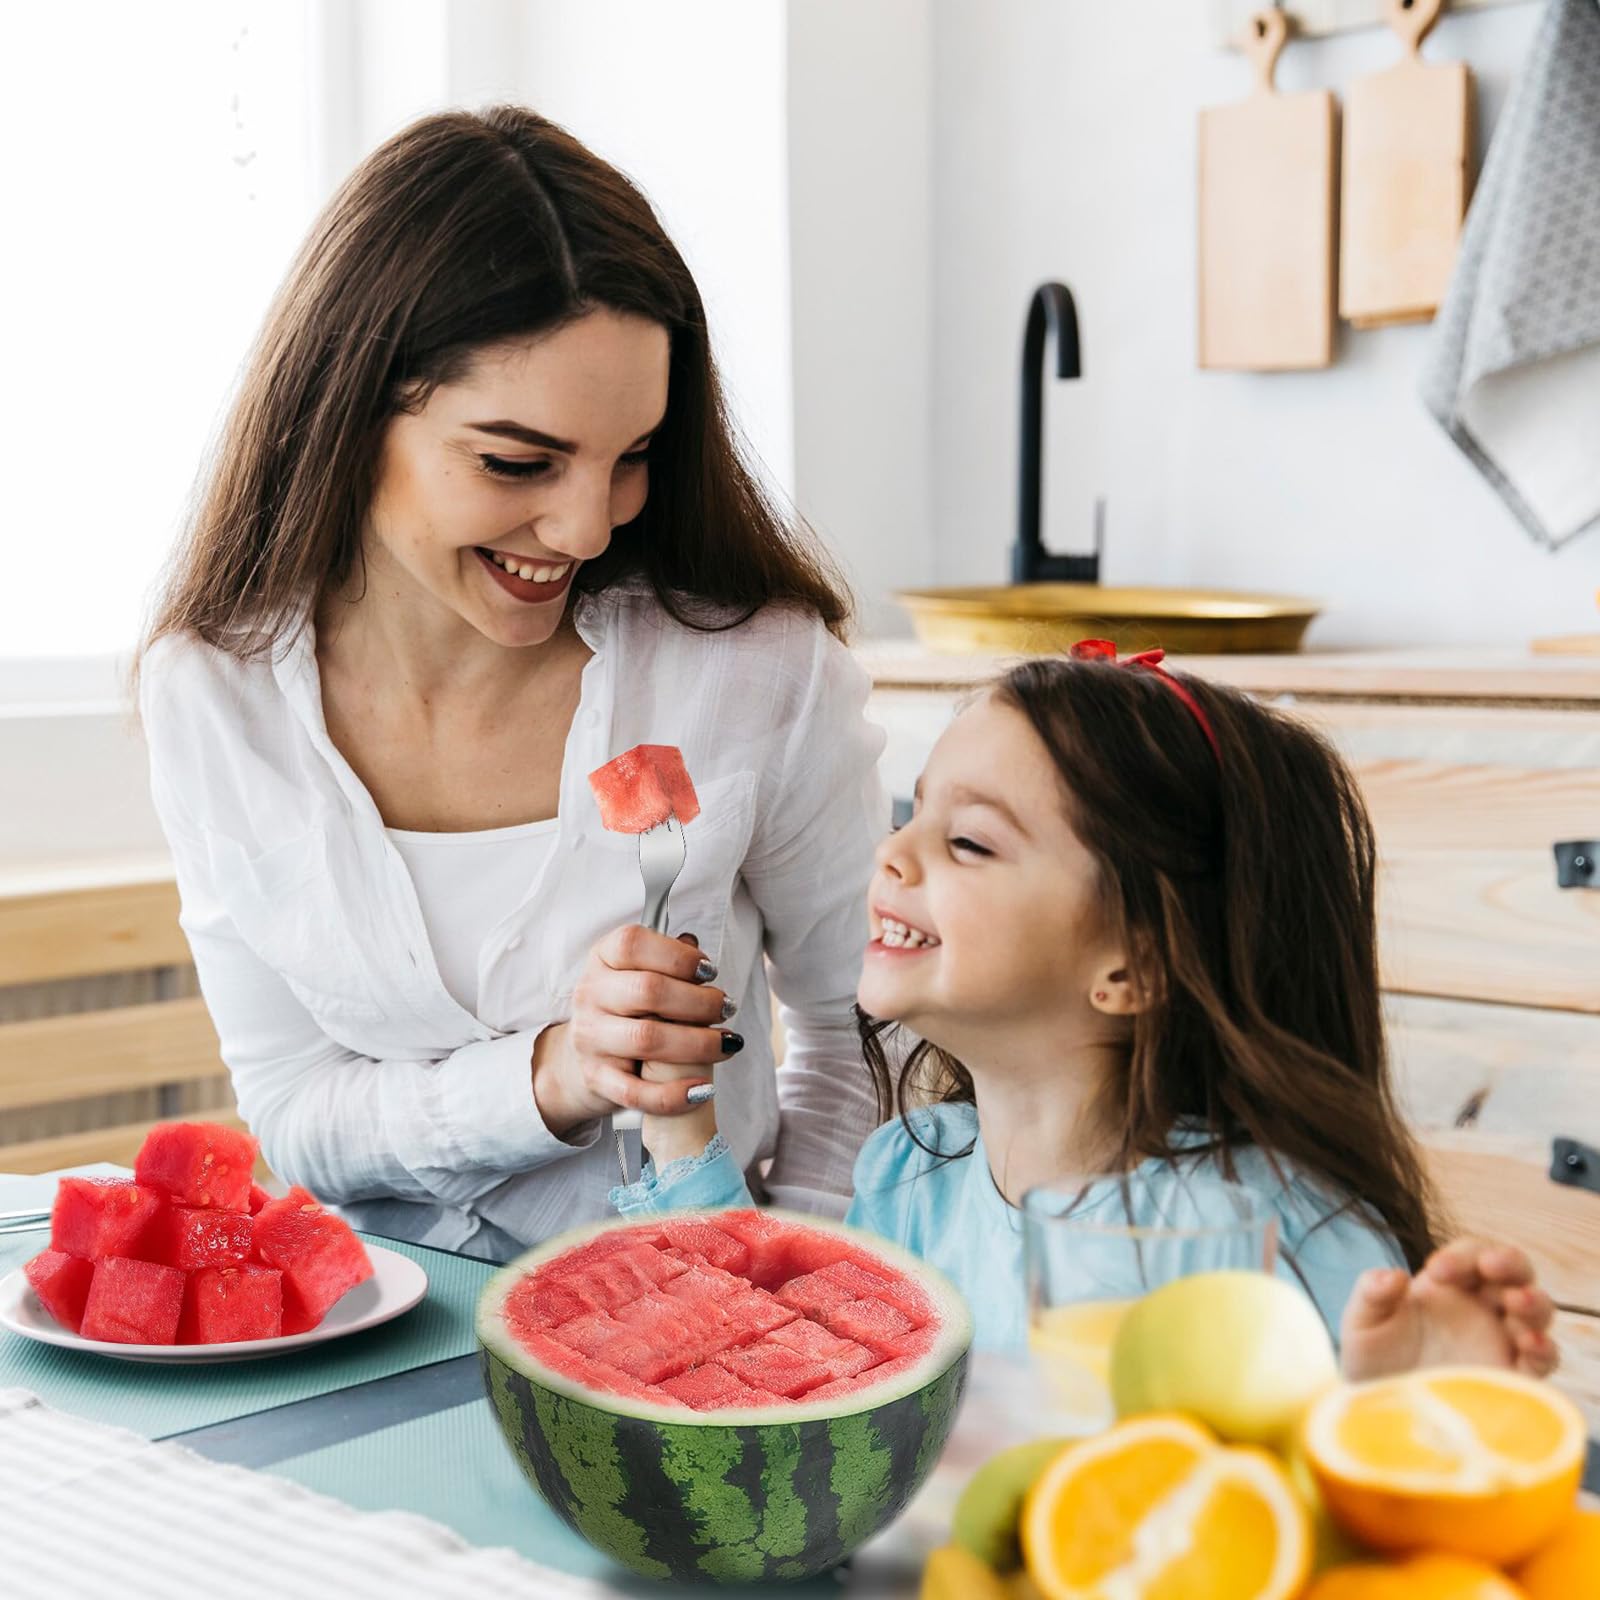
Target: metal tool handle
{"points": [[657, 887], [1575, 1165]]}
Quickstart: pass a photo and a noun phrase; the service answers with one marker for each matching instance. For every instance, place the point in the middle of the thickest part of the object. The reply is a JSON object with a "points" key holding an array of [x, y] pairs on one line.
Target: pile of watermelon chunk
{"points": [[720, 1310], [191, 1250]]}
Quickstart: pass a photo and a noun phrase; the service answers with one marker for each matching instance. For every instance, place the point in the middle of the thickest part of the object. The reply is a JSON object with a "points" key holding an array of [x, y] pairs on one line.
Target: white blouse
{"points": [[467, 884], [364, 1077]]}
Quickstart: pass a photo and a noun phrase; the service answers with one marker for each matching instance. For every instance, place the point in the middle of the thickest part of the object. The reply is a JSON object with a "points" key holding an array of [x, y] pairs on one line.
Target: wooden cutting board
{"points": [[1266, 243], [1407, 144]]}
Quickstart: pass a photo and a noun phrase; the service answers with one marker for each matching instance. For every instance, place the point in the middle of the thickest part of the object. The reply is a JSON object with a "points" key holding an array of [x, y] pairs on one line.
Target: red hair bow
{"points": [[1150, 660]]}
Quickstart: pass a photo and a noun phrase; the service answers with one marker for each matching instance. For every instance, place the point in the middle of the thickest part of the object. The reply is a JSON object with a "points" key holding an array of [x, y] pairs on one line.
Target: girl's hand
{"points": [[642, 997], [1472, 1304]]}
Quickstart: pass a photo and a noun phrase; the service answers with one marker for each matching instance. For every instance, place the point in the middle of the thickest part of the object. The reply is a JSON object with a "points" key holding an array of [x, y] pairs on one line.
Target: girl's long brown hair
{"points": [[1244, 889], [465, 230]]}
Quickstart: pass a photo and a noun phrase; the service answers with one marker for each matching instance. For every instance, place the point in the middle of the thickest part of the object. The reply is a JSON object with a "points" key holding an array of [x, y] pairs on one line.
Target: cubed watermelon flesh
{"points": [[198, 1164], [714, 1388], [770, 1244], [874, 1323], [654, 1307], [708, 1427], [191, 1237], [864, 1282], [843, 1358], [642, 787], [775, 1368], [224, 1304], [95, 1217], [187, 1231], [62, 1285], [133, 1302], [695, 1240], [318, 1254], [814, 1295]]}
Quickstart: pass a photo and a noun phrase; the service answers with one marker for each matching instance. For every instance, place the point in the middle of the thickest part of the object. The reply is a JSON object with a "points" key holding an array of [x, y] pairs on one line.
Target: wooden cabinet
{"points": [[1473, 767]]}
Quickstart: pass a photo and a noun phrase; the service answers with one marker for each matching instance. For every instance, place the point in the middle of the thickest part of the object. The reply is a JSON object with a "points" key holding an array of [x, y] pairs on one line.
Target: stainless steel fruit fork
{"points": [[662, 852], [29, 1221]]}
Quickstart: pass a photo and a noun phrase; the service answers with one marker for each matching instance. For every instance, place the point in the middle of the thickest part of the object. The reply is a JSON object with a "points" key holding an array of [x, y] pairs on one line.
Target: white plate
{"points": [[397, 1283]]}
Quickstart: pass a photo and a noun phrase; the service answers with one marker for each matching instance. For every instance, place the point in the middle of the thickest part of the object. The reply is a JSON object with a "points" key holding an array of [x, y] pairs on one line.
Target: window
{"points": [[161, 170]]}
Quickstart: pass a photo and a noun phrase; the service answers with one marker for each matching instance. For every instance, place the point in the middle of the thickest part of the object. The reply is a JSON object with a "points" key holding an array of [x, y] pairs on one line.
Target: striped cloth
{"points": [[88, 1510]]}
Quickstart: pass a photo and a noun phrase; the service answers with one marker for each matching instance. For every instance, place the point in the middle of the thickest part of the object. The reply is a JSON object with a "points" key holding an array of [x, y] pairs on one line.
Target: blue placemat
{"points": [[160, 1400]]}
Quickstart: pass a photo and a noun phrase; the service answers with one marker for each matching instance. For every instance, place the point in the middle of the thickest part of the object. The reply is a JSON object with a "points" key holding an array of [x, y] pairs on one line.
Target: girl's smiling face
{"points": [[523, 466], [985, 907]]}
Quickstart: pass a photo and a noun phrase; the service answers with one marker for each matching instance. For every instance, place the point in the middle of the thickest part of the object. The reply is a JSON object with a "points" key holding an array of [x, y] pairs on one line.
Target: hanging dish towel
{"points": [[1514, 375]]}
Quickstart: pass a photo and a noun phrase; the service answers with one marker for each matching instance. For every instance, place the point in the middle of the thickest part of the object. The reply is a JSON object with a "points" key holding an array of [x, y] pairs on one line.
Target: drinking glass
{"points": [[1094, 1245]]}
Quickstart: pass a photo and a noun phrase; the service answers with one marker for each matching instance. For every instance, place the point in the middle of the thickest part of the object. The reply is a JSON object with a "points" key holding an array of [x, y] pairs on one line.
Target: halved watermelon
{"points": [[707, 1427], [643, 787]]}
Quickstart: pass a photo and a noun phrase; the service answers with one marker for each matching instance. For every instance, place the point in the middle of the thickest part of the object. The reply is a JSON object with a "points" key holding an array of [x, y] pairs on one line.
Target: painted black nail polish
{"points": [[705, 972], [732, 1042], [730, 1008]]}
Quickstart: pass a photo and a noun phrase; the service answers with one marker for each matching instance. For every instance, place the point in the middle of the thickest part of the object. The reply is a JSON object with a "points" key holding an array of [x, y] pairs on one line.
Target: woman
{"points": [[476, 525]]}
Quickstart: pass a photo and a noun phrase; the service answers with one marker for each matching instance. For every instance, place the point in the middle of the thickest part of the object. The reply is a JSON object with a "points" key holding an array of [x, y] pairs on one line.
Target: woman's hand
{"points": [[1472, 1304], [642, 997]]}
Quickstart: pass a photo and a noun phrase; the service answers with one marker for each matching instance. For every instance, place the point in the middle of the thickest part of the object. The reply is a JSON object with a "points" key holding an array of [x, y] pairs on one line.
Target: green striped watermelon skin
{"points": [[735, 1502]]}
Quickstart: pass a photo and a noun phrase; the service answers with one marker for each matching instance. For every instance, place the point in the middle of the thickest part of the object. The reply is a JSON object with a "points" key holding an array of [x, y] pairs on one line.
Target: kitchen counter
{"points": [[1455, 675]]}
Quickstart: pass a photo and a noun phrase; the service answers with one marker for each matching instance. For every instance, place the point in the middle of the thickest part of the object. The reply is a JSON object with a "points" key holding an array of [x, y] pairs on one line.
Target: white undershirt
{"points": [[467, 884]]}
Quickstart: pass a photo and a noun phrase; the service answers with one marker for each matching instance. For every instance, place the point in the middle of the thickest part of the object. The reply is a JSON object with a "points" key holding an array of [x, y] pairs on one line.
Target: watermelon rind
{"points": [[779, 1492]]}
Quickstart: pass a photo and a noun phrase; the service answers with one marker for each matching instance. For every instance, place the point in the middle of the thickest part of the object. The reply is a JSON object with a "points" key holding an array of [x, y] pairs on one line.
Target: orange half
{"points": [[1156, 1509], [1473, 1461]]}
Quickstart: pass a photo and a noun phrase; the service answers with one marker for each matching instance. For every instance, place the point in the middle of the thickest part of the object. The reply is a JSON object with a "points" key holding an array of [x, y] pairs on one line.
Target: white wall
{"points": [[157, 179], [1064, 148], [861, 239], [688, 100]]}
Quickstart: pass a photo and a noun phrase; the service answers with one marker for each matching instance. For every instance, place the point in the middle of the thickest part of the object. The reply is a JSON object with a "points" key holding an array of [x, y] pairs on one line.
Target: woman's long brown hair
{"points": [[465, 230], [1244, 888]]}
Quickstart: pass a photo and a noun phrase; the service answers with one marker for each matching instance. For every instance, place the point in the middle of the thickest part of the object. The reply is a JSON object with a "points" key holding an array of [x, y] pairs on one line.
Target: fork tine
{"points": [[662, 852]]}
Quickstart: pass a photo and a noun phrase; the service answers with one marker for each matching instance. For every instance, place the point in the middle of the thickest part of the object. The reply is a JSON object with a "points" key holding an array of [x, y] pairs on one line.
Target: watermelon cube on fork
{"points": [[647, 791], [642, 787]]}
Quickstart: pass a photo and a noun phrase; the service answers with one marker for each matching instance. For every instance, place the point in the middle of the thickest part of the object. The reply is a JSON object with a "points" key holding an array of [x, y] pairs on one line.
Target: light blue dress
{"points": [[951, 1213]]}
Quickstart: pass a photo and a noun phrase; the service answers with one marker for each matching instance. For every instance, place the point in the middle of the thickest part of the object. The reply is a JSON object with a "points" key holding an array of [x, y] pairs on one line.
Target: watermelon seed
{"points": [[310, 1208]]}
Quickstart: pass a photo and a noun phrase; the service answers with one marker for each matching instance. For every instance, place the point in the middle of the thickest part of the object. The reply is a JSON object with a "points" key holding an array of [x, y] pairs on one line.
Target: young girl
{"points": [[1131, 923]]}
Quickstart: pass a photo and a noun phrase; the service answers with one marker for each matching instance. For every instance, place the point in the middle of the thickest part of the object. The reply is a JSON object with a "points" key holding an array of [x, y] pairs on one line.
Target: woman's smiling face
{"points": [[491, 494], [1000, 896]]}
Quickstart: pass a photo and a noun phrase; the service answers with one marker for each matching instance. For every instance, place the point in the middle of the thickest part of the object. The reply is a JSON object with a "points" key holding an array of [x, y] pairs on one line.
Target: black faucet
{"points": [[1051, 308]]}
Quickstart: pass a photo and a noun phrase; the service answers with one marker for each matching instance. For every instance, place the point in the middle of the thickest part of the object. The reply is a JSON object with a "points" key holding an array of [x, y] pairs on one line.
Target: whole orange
{"points": [[1433, 1577], [1568, 1568]]}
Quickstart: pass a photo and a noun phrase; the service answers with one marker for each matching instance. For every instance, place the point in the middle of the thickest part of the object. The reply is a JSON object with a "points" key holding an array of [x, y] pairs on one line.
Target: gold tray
{"points": [[1039, 618]]}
